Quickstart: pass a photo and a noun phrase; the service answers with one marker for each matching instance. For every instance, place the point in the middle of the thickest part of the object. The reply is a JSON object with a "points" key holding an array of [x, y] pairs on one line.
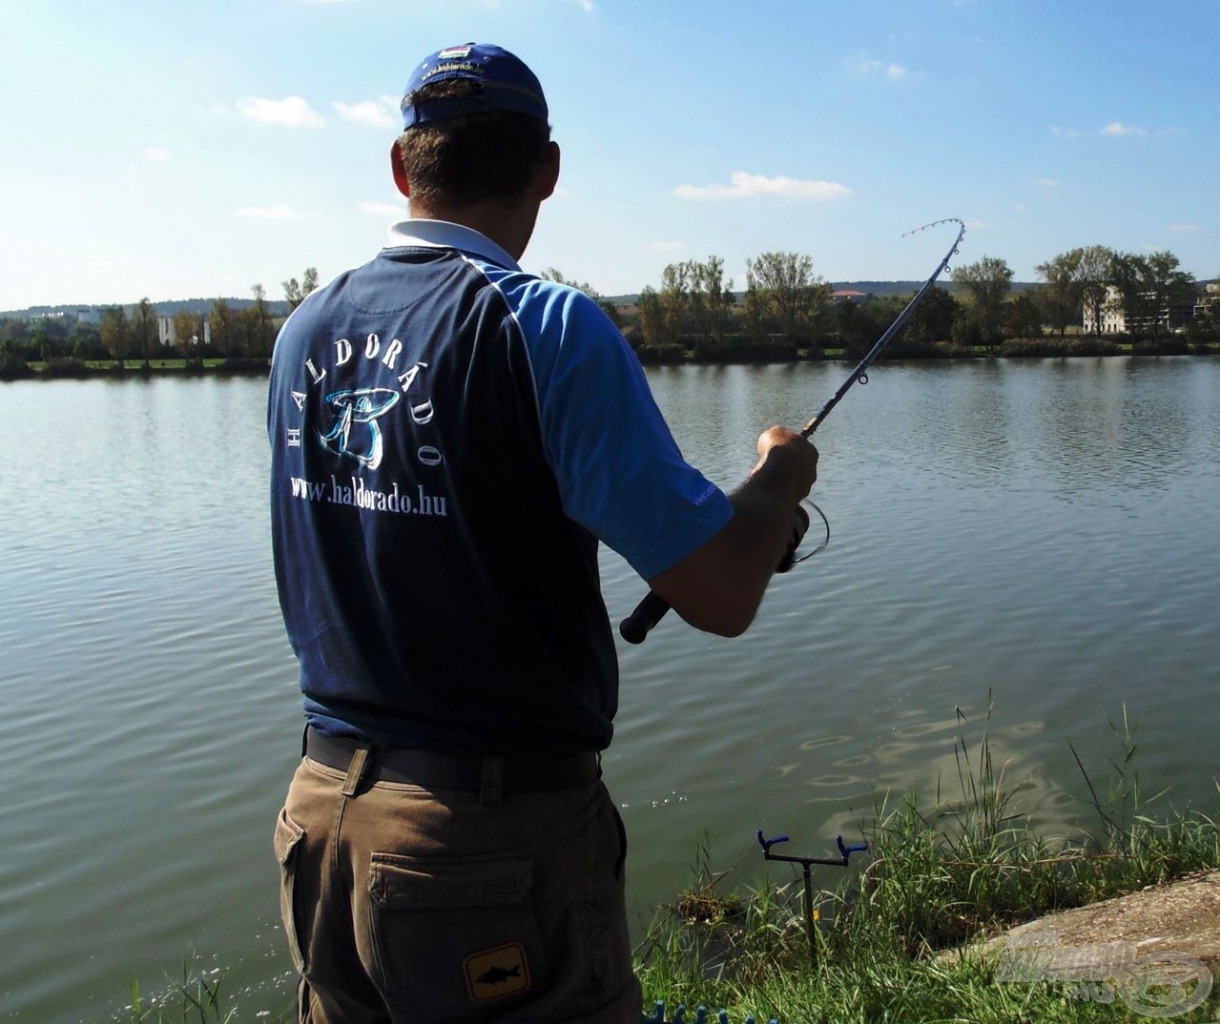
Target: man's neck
{"points": [[509, 226]]}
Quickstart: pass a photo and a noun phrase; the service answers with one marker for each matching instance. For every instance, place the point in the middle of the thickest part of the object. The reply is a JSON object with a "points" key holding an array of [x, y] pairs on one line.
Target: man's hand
{"points": [[800, 456]]}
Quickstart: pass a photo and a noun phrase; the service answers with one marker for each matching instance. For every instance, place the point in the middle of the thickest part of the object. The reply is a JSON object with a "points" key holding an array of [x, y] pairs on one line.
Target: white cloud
{"points": [[1185, 229], [156, 156], [382, 209], [747, 186], [588, 5], [278, 212], [1065, 133], [379, 113], [864, 66], [292, 112], [1045, 183], [1118, 128]]}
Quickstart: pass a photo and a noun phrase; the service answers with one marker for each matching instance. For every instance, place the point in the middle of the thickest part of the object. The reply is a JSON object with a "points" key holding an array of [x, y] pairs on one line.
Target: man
{"points": [[451, 437]]}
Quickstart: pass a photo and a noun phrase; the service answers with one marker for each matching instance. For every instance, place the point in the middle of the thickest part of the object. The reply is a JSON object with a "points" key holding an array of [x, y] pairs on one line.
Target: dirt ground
{"points": [[1176, 917]]}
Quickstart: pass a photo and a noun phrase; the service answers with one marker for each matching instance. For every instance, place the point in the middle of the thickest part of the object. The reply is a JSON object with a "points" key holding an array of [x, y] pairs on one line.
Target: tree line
{"points": [[236, 336], [787, 307]]}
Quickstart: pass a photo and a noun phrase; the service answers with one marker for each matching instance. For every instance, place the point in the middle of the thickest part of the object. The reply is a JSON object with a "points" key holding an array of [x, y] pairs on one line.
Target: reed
{"points": [[941, 872]]}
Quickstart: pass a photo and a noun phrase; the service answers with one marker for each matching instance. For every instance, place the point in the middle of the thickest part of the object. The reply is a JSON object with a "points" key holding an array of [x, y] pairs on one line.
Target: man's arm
{"points": [[718, 587]]}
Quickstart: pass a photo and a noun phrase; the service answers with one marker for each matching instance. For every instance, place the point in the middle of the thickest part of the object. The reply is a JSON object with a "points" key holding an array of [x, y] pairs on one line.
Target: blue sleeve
{"points": [[620, 472]]}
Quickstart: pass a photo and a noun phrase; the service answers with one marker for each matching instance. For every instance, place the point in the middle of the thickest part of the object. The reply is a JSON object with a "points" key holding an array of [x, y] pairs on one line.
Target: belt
{"points": [[490, 776]]}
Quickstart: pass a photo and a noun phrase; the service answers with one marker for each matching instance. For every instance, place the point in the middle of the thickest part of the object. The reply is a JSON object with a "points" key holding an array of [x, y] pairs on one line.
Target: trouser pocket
{"points": [[457, 933], [288, 836]]}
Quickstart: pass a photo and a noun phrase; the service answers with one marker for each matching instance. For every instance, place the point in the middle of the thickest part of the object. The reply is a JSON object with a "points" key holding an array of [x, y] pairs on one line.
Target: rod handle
{"points": [[635, 628]]}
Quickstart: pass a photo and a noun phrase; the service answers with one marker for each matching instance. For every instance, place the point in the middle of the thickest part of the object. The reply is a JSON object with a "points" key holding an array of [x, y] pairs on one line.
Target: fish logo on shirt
{"points": [[358, 407]]}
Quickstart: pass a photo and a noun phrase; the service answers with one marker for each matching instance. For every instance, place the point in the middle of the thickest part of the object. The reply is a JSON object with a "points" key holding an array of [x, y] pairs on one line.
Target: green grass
{"points": [[937, 875], [196, 998], [940, 871]]}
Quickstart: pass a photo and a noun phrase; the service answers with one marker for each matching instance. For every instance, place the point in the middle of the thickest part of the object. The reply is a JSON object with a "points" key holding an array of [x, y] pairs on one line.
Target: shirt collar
{"points": [[443, 234]]}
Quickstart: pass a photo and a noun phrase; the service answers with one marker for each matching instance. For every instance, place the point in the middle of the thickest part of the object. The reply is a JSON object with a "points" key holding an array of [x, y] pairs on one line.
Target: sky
{"points": [[195, 149]]}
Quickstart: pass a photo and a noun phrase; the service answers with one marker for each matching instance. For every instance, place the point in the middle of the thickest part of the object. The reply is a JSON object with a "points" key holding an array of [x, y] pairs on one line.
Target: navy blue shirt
{"points": [[450, 438]]}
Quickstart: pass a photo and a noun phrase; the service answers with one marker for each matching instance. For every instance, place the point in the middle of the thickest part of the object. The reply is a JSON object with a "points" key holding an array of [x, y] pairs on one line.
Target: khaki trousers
{"points": [[404, 905]]}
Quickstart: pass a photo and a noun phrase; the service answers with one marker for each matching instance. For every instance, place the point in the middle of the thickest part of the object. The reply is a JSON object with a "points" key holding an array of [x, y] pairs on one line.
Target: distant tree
{"points": [[188, 334], [653, 325], [144, 329], [116, 333], [260, 334], [860, 325], [85, 341], [673, 297], [1023, 317], [223, 328], [607, 307], [1062, 296], [706, 292], [16, 332], [295, 291], [48, 338], [933, 318], [1149, 286], [12, 362], [1094, 275], [782, 290], [988, 281]]}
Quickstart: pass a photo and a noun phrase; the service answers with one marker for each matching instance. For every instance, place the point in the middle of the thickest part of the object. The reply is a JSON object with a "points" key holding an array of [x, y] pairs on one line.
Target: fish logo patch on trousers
{"points": [[498, 972]]}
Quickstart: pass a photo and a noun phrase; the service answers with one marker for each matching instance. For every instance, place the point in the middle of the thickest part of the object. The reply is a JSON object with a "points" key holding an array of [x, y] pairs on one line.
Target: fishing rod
{"points": [[635, 628]]}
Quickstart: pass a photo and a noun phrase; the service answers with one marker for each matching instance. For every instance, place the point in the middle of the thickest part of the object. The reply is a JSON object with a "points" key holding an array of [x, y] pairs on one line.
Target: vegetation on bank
{"points": [[786, 312], [938, 873], [14, 367]]}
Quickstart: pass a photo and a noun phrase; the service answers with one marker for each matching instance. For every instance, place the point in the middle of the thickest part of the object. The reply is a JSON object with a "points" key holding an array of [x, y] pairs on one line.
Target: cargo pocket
{"points": [[453, 934], [288, 835]]}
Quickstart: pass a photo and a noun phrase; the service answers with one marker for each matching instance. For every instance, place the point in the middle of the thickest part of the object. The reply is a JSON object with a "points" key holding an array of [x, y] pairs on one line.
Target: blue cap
{"points": [[507, 84]]}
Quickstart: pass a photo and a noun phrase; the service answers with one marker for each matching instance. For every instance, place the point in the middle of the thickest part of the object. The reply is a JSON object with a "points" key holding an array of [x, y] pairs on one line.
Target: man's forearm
{"points": [[719, 587]]}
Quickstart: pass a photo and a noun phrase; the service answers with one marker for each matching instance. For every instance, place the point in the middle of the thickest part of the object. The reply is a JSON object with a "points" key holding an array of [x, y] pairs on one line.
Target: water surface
{"points": [[1043, 532]]}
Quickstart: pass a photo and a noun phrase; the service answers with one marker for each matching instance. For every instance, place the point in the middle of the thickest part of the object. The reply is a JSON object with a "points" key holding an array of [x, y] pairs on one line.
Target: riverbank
{"points": [[958, 911], [1072, 346], [945, 877]]}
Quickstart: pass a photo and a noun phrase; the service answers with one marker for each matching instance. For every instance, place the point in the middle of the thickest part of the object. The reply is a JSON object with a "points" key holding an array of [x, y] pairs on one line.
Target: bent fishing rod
{"points": [[636, 627]]}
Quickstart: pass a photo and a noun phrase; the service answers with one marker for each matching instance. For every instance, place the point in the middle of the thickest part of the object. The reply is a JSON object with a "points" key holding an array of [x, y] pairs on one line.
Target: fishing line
{"points": [[635, 628]]}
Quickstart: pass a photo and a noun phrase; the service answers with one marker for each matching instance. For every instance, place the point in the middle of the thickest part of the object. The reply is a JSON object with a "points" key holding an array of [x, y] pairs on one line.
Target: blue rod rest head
{"points": [[847, 851], [766, 844]]}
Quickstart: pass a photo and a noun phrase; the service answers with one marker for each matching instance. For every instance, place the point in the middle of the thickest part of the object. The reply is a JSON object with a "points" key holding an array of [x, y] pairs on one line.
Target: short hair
{"points": [[487, 155]]}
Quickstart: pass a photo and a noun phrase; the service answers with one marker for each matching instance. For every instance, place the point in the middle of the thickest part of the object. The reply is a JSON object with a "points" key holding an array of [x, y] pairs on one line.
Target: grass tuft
{"points": [[940, 875]]}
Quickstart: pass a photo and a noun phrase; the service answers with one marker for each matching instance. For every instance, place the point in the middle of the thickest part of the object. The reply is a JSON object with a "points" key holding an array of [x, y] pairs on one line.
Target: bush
{"points": [[12, 363], [65, 366], [745, 352], [1078, 345], [655, 355], [1172, 346]]}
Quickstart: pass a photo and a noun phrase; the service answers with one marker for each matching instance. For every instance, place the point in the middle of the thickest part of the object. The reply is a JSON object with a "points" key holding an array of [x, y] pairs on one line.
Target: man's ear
{"points": [[548, 176], [400, 172]]}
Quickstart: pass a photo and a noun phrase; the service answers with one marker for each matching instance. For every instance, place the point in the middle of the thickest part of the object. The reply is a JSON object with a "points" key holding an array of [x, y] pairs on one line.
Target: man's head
{"points": [[476, 130]]}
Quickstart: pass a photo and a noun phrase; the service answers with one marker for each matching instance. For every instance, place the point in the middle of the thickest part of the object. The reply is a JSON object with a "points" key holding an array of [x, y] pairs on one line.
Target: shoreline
{"points": [[697, 355]]}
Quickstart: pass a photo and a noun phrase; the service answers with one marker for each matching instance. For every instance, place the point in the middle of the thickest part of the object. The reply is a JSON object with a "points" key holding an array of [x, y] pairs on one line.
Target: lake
{"points": [[1041, 535]]}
